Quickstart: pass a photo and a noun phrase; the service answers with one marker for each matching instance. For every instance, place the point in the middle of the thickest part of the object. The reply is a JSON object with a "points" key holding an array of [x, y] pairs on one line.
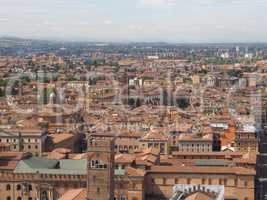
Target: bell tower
{"points": [[100, 169]]}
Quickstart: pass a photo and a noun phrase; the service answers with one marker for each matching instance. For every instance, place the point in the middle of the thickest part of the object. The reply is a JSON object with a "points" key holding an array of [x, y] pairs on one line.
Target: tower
{"points": [[100, 169]]}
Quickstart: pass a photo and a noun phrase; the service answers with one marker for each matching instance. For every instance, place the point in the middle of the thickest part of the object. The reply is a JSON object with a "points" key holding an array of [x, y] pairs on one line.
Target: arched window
{"points": [[18, 187], [8, 198], [8, 187], [19, 198], [123, 197], [30, 198]]}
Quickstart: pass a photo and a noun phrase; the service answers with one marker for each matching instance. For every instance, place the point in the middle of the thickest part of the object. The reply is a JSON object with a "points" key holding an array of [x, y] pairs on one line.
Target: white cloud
{"points": [[159, 3], [3, 19], [107, 22], [135, 28]]}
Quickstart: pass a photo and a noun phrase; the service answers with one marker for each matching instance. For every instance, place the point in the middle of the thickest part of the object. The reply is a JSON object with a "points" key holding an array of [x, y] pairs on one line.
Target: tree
{"points": [[2, 93], [43, 96], [43, 125], [234, 72], [25, 79], [3, 82], [183, 102]]}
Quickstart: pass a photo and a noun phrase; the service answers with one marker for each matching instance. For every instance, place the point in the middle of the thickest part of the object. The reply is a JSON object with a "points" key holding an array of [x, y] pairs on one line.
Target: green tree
{"points": [[43, 96], [2, 93]]}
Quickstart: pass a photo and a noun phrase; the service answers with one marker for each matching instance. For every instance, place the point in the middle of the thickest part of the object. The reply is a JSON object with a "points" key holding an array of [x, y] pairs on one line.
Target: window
{"points": [[123, 198], [210, 181], [29, 146], [188, 181], [19, 198], [8, 187], [30, 187], [8, 198], [98, 190], [36, 146], [30, 198], [18, 187], [96, 163], [92, 163], [94, 178], [235, 182], [245, 183]]}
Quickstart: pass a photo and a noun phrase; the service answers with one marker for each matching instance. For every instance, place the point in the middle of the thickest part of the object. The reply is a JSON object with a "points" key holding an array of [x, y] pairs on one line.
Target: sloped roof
{"points": [[155, 135], [74, 194], [199, 196], [46, 166], [124, 158], [135, 172]]}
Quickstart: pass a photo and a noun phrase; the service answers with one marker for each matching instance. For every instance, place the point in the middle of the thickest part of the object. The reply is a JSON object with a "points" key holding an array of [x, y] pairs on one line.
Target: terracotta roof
{"points": [[151, 150], [56, 155], [57, 138], [155, 135], [79, 156], [74, 194], [124, 158], [9, 160], [62, 150], [228, 136], [190, 137], [202, 170], [130, 171], [199, 196]]}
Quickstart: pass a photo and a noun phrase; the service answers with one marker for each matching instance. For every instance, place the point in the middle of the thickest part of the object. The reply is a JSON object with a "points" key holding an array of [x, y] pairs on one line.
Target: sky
{"points": [[136, 20]]}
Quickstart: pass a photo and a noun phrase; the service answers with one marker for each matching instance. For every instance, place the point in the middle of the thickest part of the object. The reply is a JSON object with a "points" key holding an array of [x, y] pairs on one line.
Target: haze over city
{"points": [[136, 20], [133, 100]]}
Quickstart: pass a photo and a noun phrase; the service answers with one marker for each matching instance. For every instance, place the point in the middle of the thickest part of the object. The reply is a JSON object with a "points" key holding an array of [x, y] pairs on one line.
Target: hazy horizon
{"points": [[173, 21]]}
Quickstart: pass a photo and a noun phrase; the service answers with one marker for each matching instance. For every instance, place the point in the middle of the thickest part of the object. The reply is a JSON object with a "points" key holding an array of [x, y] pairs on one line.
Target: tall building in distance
{"points": [[100, 169]]}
